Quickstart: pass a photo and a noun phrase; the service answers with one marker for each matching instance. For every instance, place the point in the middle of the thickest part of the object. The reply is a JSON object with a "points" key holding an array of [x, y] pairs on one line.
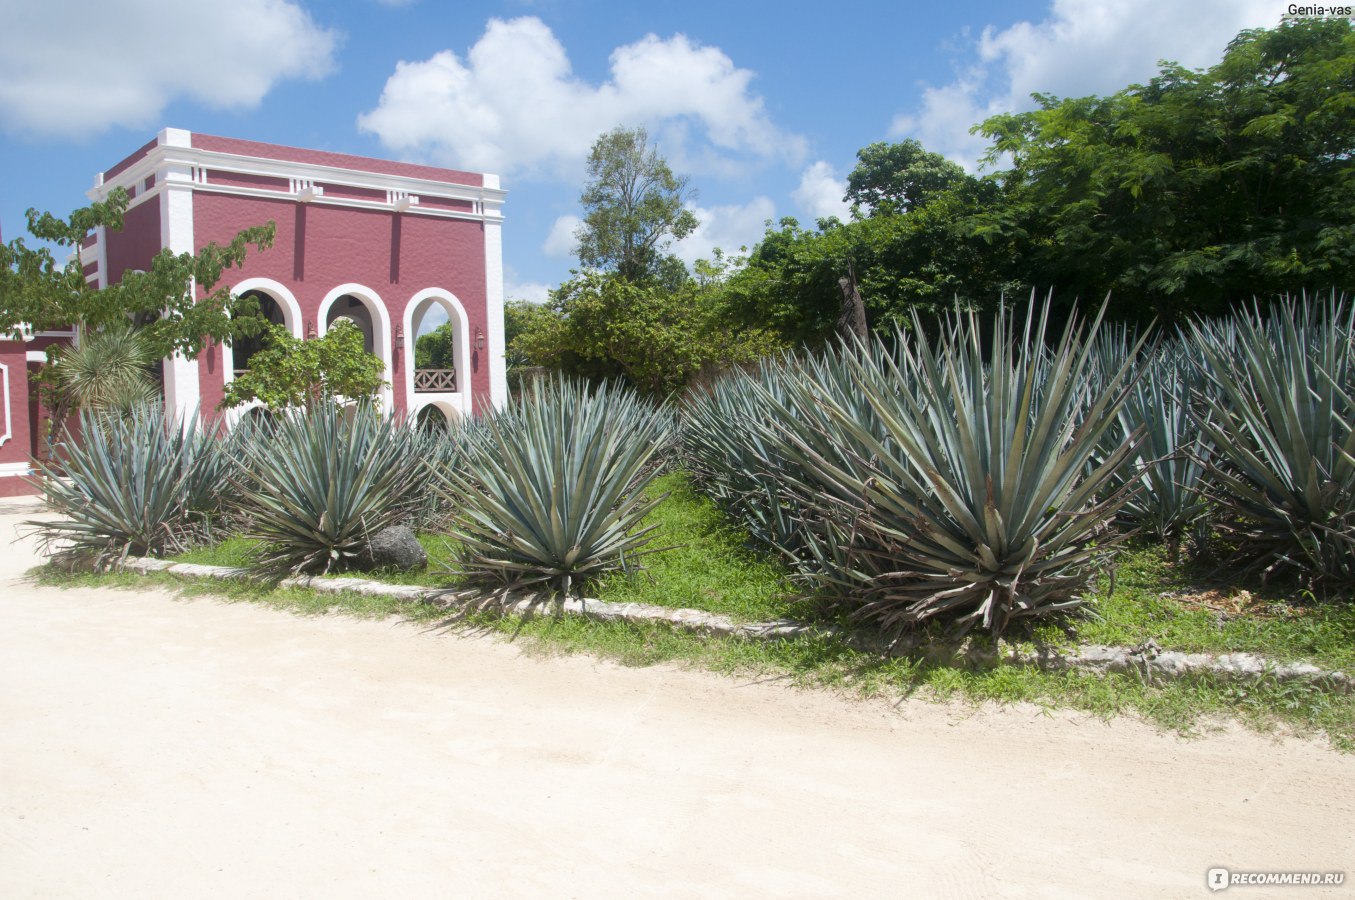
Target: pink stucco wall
{"points": [[137, 243], [18, 447], [321, 247]]}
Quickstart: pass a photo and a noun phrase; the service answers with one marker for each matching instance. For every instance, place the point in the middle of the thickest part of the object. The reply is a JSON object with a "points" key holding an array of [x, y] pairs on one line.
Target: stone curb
{"points": [[1148, 660]]}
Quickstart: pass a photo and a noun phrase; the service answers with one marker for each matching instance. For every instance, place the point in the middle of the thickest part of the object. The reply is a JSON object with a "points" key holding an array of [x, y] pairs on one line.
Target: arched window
{"points": [[244, 348]]}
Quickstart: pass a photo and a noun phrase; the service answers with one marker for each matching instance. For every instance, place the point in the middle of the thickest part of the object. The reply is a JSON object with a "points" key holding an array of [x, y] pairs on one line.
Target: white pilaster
{"points": [[182, 392], [498, 370]]}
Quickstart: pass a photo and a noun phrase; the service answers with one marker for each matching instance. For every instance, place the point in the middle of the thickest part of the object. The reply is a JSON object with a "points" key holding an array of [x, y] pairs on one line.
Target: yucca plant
{"points": [[322, 484], [132, 485], [1279, 393], [549, 491], [948, 479]]}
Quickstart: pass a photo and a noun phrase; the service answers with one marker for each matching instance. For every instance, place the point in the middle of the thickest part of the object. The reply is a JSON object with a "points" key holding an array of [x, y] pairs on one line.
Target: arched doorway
{"points": [[432, 419], [365, 309]]}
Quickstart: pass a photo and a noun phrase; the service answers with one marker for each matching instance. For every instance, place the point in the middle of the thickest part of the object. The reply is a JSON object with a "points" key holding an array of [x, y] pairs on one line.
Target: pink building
{"points": [[389, 245]]}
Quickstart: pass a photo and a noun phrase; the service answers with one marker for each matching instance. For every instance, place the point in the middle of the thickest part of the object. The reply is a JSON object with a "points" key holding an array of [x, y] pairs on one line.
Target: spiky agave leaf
{"points": [[978, 508], [1278, 391], [1165, 476], [126, 487], [550, 491], [321, 484]]}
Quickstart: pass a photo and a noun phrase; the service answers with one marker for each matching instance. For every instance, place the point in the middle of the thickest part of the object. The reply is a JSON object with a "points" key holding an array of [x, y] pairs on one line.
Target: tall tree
{"points": [[890, 179], [633, 206]]}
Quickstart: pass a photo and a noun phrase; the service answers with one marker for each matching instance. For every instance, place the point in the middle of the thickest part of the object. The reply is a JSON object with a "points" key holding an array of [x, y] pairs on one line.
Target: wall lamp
{"points": [[479, 338], [399, 337]]}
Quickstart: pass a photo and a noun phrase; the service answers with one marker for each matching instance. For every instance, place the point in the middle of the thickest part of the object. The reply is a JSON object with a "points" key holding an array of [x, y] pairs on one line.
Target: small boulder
{"points": [[395, 547]]}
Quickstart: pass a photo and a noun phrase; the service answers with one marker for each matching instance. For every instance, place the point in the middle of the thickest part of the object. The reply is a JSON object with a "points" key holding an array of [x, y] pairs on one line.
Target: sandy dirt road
{"points": [[156, 747]]}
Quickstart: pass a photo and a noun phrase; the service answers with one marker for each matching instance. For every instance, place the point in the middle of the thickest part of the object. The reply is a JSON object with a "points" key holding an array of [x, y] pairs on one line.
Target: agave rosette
{"points": [[551, 490]]}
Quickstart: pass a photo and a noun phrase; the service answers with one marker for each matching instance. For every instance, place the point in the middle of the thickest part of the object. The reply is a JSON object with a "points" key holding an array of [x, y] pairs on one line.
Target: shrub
{"points": [[959, 480]]}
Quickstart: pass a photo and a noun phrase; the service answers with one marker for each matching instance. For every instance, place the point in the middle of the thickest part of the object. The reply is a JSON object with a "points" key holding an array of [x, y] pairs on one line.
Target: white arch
{"points": [[381, 331], [460, 401], [450, 413], [291, 320]]}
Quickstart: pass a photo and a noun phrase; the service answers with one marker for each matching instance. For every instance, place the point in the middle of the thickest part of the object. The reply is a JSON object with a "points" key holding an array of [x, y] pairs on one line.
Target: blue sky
{"points": [[762, 105]]}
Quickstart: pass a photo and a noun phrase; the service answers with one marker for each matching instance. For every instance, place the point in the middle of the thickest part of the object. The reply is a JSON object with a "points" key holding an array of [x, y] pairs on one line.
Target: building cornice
{"points": [[178, 168]]}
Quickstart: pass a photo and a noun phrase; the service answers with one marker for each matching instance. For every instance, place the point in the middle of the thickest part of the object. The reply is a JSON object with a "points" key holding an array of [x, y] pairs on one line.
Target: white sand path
{"points": [[157, 747]]}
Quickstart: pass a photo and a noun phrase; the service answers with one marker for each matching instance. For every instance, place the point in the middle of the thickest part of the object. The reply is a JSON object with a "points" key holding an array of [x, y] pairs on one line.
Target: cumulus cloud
{"points": [[531, 291], [514, 105], [64, 72], [561, 242], [727, 227], [820, 193], [1081, 47]]}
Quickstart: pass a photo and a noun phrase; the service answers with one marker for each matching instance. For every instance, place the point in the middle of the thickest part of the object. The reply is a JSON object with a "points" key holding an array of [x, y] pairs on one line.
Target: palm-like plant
{"points": [[550, 491], [106, 371]]}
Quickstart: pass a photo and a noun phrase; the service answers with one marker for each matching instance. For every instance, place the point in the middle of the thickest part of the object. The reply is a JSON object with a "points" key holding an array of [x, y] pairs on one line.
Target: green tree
{"points": [[176, 302], [1198, 189], [890, 179], [290, 372], [633, 206], [601, 325], [436, 349]]}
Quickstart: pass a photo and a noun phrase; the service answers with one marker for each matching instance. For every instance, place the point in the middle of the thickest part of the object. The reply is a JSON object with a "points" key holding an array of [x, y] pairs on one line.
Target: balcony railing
{"points": [[430, 381]]}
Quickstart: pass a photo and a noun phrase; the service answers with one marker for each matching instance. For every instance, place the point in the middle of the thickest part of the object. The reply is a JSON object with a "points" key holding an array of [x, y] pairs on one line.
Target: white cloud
{"points": [[820, 193], [561, 242], [531, 291], [727, 227], [63, 71], [513, 104], [1082, 47]]}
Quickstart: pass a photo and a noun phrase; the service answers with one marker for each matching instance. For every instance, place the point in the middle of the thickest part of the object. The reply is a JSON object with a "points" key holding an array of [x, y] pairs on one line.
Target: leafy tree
{"points": [[602, 325], [633, 206], [1198, 189], [175, 303], [890, 179], [290, 372]]}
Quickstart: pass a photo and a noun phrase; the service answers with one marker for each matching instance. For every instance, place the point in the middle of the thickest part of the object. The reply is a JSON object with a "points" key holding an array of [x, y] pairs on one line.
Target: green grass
{"points": [[1146, 604], [711, 567]]}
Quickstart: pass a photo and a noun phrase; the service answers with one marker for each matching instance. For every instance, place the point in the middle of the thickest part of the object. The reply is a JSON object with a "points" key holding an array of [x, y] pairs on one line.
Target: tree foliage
{"points": [[291, 372], [633, 206], [1197, 189], [602, 325], [890, 179], [176, 302]]}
